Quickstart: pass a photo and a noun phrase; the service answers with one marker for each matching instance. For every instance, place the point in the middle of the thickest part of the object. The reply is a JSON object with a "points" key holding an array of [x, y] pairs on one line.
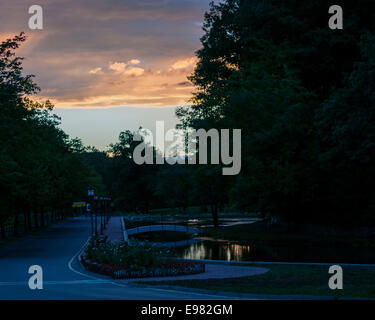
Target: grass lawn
{"points": [[291, 279]]}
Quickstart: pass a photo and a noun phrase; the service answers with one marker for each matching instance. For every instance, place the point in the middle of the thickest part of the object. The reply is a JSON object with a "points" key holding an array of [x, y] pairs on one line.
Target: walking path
{"points": [[55, 249], [113, 230], [213, 271]]}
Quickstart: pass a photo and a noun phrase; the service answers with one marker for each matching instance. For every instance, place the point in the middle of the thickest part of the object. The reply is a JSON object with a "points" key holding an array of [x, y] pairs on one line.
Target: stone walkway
{"points": [[113, 229], [213, 271]]}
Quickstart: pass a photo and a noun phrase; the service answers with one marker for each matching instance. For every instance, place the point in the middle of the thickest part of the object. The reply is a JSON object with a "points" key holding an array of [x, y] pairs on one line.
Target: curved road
{"points": [[55, 250]]}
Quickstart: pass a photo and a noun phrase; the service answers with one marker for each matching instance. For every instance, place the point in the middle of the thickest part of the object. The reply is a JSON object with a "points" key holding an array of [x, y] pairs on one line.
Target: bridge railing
{"points": [[163, 227]]}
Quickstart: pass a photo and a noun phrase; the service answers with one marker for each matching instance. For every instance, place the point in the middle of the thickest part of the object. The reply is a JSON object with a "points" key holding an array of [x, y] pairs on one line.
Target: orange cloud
{"points": [[184, 63], [96, 53], [134, 61], [96, 70], [126, 68], [134, 71], [122, 83], [117, 66]]}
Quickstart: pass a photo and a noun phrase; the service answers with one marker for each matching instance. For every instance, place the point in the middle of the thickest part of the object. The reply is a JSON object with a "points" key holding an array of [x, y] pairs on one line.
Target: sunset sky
{"points": [[110, 65]]}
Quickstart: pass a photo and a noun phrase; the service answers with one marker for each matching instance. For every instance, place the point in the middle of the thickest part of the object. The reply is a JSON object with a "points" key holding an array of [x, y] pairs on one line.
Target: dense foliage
{"points": [[302, 95], [41, 169]]}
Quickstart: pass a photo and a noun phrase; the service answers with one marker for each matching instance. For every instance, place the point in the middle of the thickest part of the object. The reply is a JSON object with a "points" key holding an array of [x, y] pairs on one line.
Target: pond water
{"points": [[224, 222], [212, 249]]}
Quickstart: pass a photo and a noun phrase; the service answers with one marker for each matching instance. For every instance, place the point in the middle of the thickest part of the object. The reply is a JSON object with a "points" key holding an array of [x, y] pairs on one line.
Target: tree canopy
{"points": [[41, 168], [302, 95]]}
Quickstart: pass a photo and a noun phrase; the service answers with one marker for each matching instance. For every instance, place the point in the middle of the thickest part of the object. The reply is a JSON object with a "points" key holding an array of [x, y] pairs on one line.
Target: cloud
{"points": [[134, 71], [134, 61], [126, 68], [117, 66], [94, 53], [184, 63], [185, 84], [96, 71], [132, 86]]}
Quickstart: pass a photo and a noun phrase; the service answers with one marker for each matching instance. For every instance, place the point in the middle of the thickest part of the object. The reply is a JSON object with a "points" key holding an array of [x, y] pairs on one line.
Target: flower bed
{"points": [[168, 269], [123, 261]]}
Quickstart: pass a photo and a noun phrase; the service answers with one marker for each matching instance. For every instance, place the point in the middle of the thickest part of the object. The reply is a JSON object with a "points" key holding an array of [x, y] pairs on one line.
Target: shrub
{"points": [[123, 260], [122, 254]]}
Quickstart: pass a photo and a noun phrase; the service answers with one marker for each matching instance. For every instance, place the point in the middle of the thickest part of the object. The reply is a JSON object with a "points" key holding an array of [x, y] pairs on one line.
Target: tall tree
{"points": [[275, 70], [41, 168]]}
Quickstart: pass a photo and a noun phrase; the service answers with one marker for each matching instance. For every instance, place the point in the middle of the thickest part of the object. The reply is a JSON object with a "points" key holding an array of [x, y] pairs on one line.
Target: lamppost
{"points": [[89, 208], [109, 208], [101, 208], [96, 214], [105, 211]]}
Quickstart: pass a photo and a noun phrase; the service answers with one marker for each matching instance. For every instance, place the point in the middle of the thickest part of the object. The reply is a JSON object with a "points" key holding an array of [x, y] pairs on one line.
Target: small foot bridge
{"points": [[162, 227]]}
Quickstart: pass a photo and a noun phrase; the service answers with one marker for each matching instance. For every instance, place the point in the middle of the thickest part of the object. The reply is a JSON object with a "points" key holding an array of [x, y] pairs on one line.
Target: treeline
{"points": [[302, 94], [304, 97], [141, 188], [42, 171]]}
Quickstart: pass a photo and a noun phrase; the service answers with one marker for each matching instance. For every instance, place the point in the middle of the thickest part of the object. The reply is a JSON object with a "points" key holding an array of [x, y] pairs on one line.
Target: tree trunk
{"points": [[215, 216], [29, 223], [42, 222], [36, 219], [15, 224], [25, 223], [2, 231]]}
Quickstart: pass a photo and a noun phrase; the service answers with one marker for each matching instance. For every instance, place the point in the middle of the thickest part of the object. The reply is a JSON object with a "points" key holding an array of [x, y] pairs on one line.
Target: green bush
{"points": [[124, 255]]}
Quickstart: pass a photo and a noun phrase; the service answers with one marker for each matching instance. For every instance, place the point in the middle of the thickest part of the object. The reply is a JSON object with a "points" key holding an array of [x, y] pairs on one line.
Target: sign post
{"points": [[89, 207]]}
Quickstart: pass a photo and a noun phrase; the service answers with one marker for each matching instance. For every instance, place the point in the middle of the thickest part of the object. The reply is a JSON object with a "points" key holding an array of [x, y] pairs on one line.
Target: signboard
{"points": [[78, 204], [88, 207]]}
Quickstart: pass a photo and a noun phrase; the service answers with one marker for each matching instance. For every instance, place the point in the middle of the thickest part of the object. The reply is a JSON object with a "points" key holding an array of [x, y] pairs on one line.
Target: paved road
{"points": [[54, 250]]}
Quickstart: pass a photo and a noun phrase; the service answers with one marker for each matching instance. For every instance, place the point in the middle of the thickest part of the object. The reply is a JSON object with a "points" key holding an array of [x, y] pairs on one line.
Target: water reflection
{"points": [[224, 222], [210, 250], [293, 251]]}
